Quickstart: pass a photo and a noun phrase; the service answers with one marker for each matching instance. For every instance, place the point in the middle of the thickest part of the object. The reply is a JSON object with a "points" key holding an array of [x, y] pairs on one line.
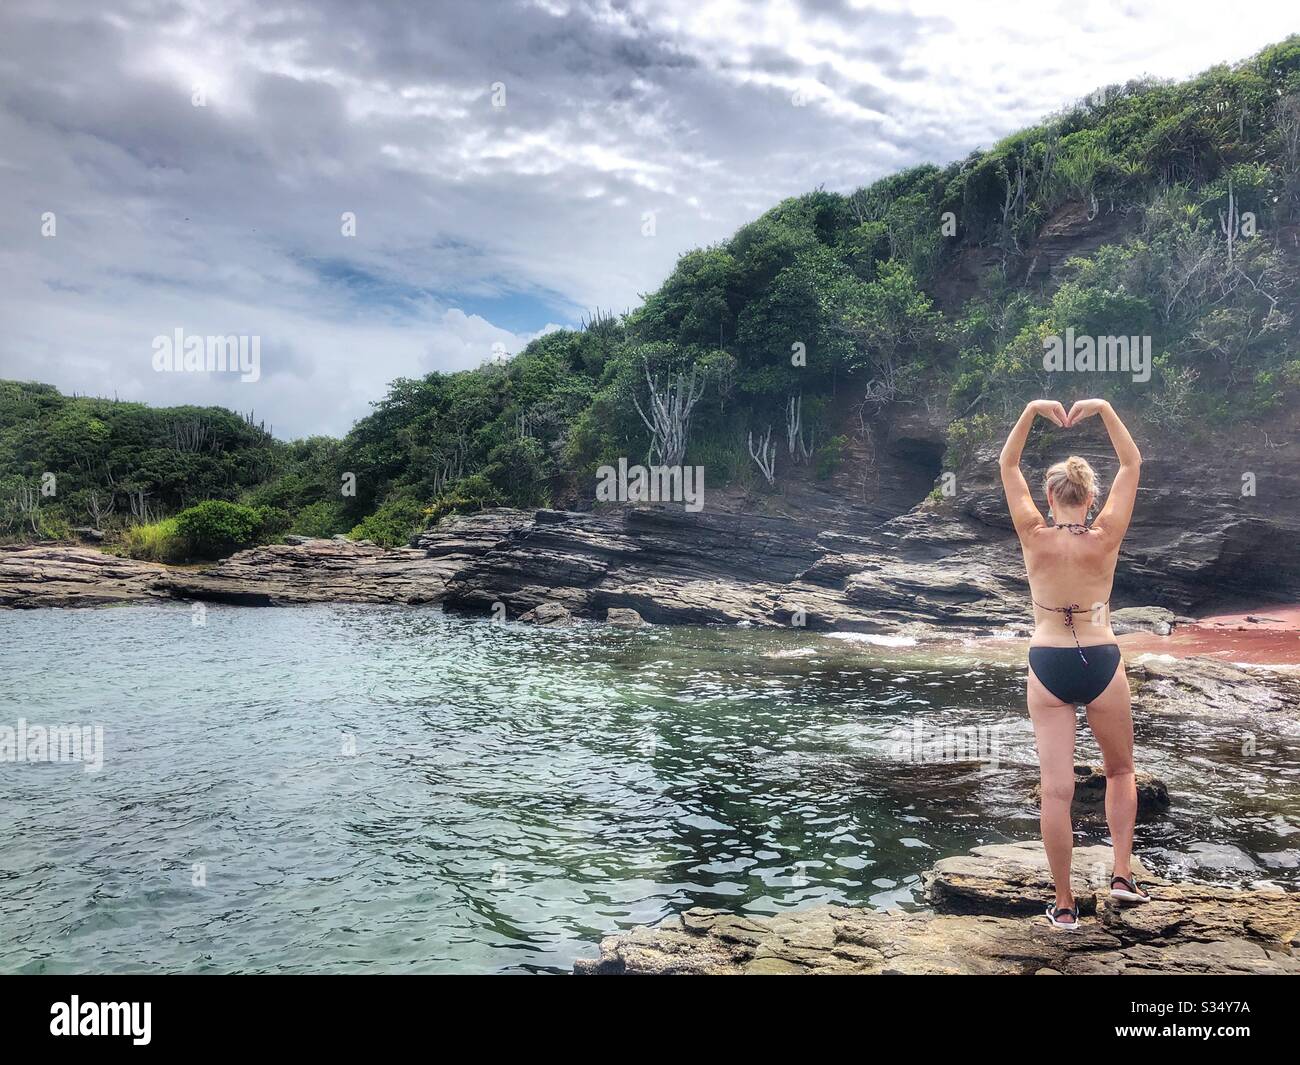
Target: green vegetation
{"points": [[817, 320], [158, 541], [391, 525], [215, 528], [211, 529]]}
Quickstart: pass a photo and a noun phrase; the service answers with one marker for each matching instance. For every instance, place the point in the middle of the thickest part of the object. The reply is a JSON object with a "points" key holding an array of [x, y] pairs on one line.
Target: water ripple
{"points": [[373, 789]]}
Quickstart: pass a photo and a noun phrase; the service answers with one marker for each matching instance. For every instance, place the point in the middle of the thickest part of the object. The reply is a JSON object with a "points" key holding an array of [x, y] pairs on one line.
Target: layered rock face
{"points": [[61, 575], [1212, 525], [317, 571], [937, 566], [715, 567], [986, 919]]}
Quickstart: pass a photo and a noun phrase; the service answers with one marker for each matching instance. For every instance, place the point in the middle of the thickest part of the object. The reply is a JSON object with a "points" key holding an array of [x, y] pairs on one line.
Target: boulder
{"points": [[624, 618], [1090, 793], [555, 615], [1254, 695], [1014, 878], [1155, 619]]}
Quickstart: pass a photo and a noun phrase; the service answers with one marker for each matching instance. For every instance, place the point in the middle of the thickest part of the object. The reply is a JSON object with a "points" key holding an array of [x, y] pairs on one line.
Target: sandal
{"points": [[1128, 891], [1054, 915]]}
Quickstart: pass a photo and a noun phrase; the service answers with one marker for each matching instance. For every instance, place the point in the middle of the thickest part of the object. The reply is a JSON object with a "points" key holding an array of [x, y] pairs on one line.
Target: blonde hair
{"points": [[1071, 482]]}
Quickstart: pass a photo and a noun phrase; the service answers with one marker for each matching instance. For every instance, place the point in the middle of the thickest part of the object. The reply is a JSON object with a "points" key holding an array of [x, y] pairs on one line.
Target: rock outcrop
{"points": [[723, 568], [1197, 540], [1251, 695], [62, 575], [941, 567], [552, 615], [1090, 793], [333, 570], [986, 919]]}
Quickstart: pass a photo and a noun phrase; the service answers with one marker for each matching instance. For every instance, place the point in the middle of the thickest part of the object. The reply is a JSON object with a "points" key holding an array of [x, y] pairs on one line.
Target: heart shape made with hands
{"points": [[1081, 409]]}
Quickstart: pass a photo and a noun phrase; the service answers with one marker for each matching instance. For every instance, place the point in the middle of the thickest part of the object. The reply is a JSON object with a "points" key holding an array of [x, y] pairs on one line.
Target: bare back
{"points": [[1068, 569]]}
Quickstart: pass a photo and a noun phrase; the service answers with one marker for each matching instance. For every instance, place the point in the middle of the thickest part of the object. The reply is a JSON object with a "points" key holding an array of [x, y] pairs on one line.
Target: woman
{"points": [[1073, 656]]}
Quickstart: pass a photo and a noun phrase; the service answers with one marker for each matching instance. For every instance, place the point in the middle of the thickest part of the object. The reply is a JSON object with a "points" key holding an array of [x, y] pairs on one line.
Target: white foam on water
{"points": [[875, 639]]}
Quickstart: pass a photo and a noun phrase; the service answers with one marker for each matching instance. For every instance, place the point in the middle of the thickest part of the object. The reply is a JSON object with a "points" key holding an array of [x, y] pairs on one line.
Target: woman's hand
{"points": [[1085, 408], [1051, 410]]}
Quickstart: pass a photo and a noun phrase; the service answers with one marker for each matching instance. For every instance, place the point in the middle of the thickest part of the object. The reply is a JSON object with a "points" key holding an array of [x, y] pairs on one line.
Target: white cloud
{"points": [[470, 218]]}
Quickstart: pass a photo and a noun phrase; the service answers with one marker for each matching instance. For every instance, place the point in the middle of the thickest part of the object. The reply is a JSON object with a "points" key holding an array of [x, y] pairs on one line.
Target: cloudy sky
{"points": [[510, 165]]}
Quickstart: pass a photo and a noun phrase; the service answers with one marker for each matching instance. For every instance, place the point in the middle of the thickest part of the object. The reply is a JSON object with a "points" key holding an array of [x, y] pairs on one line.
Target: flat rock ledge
{"points": [[986, 920], [318, 571], [62, 575]]}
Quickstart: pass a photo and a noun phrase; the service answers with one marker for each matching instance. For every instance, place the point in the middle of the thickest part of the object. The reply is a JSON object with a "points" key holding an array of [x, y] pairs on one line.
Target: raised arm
{"points": [[1114, 518], [1025, 515]]}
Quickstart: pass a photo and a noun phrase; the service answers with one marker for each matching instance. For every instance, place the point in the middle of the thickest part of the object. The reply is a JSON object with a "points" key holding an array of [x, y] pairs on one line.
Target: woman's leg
{"points": [[1111, 722], [1054, 733]]}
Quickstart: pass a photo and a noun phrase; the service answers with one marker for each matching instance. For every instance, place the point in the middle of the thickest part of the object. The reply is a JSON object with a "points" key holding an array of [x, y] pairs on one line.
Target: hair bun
{"points": [[1072, 481]]}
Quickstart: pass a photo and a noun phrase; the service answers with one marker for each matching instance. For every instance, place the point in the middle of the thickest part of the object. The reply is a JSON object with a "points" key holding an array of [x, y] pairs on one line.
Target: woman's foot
{"points": [[1064, 915], [1127, 889]]}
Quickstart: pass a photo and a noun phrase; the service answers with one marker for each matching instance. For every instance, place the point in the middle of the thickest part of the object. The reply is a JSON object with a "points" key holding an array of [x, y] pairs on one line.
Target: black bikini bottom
{"points": [[1063, 672]]}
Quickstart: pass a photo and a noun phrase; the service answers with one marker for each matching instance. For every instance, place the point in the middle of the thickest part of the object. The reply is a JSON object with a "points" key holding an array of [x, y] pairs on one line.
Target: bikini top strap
{"points": [[1068, 611]]}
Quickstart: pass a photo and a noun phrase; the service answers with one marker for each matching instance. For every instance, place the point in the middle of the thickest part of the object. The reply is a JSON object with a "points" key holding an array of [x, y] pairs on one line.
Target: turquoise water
{"points": [[394, 789]]}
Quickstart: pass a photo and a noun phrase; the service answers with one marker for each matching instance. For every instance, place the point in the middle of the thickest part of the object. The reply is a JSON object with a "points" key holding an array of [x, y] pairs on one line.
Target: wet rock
{"points": [[552, 614], [1090, 793], [624, 618], [1254, 695], [1187, 930], [1155, 619]]}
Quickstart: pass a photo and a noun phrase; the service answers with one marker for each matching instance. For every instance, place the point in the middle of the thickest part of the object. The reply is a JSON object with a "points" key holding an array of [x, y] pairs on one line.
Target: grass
{"points": [[157, 542]]}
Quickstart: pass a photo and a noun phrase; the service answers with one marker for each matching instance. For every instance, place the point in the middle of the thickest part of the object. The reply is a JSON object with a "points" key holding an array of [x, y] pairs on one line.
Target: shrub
{"points": [[215, 528], [830, 455], [319, 519], [392, 524], [464, 497], [274, 524], [965, 435]]}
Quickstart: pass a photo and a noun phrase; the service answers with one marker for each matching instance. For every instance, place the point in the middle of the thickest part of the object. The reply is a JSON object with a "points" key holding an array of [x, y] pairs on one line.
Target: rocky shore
{"points": [[915, 574], [928, 575], [983, 917], [63, 575], [934, 572]]}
